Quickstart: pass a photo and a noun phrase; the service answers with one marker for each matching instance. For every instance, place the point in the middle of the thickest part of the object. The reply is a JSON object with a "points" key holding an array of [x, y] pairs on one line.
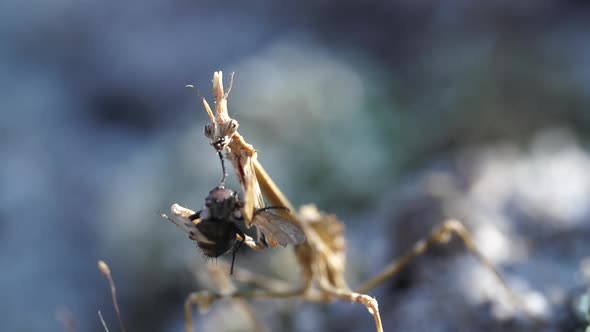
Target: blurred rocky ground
{"points": [[393, 115], [526, 208]]}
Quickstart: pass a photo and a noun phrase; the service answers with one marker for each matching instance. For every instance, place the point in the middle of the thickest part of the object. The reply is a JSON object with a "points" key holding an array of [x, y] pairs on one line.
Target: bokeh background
{"points": [[394, 115]]}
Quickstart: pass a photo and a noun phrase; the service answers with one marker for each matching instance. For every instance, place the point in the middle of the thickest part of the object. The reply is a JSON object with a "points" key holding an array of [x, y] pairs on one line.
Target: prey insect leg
{"points": [[250, 242], [271, 208], [222, 183], [195, 216], [234, 251]]}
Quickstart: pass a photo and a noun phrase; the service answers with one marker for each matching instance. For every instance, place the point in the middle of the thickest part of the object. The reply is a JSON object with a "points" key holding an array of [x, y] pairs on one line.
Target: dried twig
{"points": [[106, 271], [104, 324]]}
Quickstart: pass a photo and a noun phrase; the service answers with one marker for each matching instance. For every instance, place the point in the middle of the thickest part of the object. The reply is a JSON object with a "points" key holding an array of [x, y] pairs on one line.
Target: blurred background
{"points": [[394, 115]]}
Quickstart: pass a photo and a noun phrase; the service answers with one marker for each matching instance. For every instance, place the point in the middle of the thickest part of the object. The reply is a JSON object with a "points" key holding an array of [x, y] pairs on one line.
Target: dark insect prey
{"points": [[216, 228]]}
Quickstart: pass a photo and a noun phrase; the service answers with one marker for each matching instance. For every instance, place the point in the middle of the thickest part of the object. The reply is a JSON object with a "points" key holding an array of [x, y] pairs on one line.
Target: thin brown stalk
{"points": [[106, 271]]}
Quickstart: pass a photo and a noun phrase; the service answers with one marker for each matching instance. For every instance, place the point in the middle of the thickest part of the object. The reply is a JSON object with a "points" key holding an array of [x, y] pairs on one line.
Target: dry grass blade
{"points": [[106, 271], [104, 324]]}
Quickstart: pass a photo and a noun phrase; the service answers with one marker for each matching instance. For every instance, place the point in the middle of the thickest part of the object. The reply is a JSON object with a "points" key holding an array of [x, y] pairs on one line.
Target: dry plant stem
{"points": [[104, 324], [106, 271]]}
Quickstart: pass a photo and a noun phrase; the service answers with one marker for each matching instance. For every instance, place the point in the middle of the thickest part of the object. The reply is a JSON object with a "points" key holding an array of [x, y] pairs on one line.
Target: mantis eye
{"points": [[233, 125], [209, 130]]}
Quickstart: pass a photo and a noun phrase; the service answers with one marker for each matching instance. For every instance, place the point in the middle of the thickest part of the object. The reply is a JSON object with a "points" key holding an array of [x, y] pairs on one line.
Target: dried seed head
{"points": [[104, 268]]}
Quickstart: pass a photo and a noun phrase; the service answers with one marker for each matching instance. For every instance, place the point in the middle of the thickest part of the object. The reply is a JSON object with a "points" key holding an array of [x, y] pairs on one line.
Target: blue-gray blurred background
{"points": [[394, 115]]}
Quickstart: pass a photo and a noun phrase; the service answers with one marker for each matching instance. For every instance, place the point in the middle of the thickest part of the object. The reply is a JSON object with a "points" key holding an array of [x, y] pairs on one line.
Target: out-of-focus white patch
{"points": [[493, 178], [555, 180], [536, 303], [494, 245], [483, 286], [552, 181]]}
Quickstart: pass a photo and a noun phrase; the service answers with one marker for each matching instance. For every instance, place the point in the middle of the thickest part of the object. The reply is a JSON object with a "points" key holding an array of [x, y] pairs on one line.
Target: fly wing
{"points": [[277, 230]]}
